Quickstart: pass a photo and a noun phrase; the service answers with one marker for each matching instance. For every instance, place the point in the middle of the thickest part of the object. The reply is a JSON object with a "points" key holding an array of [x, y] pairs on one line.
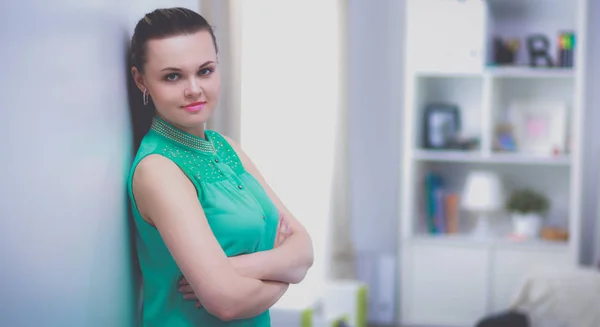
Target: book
{"points": [[441, 206]]}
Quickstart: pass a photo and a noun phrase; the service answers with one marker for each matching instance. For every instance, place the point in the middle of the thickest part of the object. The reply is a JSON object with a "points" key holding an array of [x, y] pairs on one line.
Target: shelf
{"points": [[529, 72], [477, 157], [515, 158], [446, 74], [523, 72], [467, 240], [447, 155]]}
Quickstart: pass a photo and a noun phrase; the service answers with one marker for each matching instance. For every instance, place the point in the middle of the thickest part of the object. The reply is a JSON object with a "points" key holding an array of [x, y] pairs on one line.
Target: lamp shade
{"points": [[482, 192]]}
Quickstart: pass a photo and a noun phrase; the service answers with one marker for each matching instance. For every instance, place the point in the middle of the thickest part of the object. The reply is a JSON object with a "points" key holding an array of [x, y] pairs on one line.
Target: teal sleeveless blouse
{"points": [[239, 212]]}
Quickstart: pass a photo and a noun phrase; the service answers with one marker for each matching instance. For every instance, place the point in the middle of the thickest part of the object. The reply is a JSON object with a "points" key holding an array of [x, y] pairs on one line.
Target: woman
{"points": [[201, 208]]}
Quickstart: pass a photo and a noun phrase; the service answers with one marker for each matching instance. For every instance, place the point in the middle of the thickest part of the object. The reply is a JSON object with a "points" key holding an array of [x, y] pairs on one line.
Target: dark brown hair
{"points": [[163, 23]]}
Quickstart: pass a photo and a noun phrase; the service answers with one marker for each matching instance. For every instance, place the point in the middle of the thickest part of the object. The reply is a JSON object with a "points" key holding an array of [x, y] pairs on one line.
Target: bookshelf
{"points": [[450, 278], [506, 158]]}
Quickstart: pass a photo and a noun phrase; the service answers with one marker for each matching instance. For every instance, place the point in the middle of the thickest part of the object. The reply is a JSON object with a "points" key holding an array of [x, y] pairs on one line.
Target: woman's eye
{"points": [[172, 77], [205, 71]]}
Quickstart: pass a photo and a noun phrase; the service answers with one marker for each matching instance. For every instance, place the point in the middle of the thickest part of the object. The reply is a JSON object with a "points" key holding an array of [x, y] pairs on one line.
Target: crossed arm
{"points": [[228, 288], [281, 264], [287, 262], [274, 265]]}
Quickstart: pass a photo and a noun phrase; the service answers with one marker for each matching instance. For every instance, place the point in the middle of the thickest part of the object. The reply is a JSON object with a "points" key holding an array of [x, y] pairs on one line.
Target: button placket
{"points": [[227, 172], [253, 198]]}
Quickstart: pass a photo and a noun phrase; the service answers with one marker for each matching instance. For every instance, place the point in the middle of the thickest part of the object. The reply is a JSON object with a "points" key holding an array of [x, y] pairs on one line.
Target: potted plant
{"points": [[527, 208]]}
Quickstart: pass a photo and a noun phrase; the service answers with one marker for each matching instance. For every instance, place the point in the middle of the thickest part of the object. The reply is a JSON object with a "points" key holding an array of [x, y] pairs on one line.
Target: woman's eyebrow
{"points": [[177, 69]]}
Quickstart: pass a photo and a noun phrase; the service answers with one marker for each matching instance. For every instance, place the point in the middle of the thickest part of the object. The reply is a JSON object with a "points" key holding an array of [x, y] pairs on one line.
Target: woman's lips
{"points": [[194, 107]]}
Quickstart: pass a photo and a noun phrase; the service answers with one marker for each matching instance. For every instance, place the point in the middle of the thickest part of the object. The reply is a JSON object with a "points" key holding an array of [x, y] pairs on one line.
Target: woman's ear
{"points": [[138, 78]]}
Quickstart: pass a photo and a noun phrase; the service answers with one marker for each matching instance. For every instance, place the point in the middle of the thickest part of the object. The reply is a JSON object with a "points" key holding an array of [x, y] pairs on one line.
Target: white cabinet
{"points": [[509, 267], [447, 285], [446, 35], [458, 282]]}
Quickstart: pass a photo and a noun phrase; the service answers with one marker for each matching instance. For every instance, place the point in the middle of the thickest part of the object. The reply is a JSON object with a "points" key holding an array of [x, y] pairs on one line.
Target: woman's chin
{"points": [[193, 117]]}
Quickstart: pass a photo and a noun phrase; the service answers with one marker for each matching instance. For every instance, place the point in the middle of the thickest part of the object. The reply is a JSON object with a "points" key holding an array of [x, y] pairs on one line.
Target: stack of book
{"points": [[442, 206], [566, 47]]}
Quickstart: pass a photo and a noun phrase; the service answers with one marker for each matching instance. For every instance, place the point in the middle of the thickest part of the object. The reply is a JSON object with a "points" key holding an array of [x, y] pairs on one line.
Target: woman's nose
{"points": [[193, 89]]}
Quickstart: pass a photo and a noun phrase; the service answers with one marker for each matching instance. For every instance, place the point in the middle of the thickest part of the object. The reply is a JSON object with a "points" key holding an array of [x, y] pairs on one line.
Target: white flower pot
{"points": [[527, 225]]}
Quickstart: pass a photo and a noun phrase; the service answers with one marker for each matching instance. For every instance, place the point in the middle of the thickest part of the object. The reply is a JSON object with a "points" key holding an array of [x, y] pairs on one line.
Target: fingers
{"points": [[279, 240], [190, 296], [188, 292], [283, 227], [283, 231], [277, 233], [186, 289]]}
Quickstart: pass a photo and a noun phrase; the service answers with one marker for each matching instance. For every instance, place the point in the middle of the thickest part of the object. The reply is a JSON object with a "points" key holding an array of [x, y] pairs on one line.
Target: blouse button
{"points": [[217, 160], [240, 187]]}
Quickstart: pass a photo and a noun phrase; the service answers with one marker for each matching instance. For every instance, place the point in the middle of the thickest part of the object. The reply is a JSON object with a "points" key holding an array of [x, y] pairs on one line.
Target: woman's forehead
{"points": [[181, 50]]}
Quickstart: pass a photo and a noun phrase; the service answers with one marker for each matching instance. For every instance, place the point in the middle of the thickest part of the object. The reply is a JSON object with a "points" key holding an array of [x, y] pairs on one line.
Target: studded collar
{"points": [[176, 135]]}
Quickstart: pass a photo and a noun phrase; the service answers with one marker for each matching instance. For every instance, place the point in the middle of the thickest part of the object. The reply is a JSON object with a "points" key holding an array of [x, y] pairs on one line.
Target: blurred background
{"points": [[443, 154]]}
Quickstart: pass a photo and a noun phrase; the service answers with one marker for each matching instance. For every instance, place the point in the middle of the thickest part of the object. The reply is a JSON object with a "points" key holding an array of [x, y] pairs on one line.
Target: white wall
{"points": [[591, 212], [65, 257], [375, 92], [375, 102], [290, 100]]}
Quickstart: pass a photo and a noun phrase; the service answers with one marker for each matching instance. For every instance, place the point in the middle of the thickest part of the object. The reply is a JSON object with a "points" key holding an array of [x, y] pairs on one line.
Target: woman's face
{"points": [[182, 78]]}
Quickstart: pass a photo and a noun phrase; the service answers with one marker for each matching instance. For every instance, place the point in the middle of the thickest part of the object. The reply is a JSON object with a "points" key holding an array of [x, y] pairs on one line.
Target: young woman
{"points": [[212, 247]]}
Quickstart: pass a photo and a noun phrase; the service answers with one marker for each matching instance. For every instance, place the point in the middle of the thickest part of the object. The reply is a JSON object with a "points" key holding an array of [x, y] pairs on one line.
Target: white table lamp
{"points": [[482, 195]]}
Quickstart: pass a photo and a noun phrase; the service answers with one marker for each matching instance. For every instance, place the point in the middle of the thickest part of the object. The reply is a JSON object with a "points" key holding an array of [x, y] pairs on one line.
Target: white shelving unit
{"points": [[454, 279]]}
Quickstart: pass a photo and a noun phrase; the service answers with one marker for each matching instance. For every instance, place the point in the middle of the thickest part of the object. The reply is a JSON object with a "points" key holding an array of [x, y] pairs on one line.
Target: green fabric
{"points": [[362, 306], [240, 213], [342, 321], [307, 318]]}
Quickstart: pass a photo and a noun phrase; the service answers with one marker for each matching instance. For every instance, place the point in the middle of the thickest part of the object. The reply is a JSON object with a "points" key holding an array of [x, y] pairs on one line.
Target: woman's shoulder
{"points": [[227, 145], [219, 139], [227, 149], [151, 152], [149, 145]]}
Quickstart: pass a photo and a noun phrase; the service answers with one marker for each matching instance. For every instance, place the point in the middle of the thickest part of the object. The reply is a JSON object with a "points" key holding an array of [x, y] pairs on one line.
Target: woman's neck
{"points": [[196, 131], [193, 130]]}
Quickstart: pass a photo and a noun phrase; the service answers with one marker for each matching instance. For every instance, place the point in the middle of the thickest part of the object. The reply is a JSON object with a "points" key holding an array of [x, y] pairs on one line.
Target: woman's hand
{"points": [[188, 292], [283, 232]]}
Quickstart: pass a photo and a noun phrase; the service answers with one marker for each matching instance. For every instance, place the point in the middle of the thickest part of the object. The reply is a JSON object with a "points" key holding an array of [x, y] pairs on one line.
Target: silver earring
{"points": [[145, 97]]}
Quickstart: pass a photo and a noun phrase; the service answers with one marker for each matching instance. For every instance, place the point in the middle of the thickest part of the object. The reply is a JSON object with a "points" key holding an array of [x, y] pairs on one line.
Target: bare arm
{"points": [[290, 261], [168, 200], [260, 265]]}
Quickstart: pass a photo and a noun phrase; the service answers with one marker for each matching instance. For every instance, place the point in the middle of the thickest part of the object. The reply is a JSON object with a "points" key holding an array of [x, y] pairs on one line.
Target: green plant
{"points": [[526, 201]]}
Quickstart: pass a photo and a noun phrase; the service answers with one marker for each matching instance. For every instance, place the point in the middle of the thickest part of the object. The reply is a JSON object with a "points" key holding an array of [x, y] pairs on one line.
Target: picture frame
{"points": [[540, 127], [442, 125]]}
